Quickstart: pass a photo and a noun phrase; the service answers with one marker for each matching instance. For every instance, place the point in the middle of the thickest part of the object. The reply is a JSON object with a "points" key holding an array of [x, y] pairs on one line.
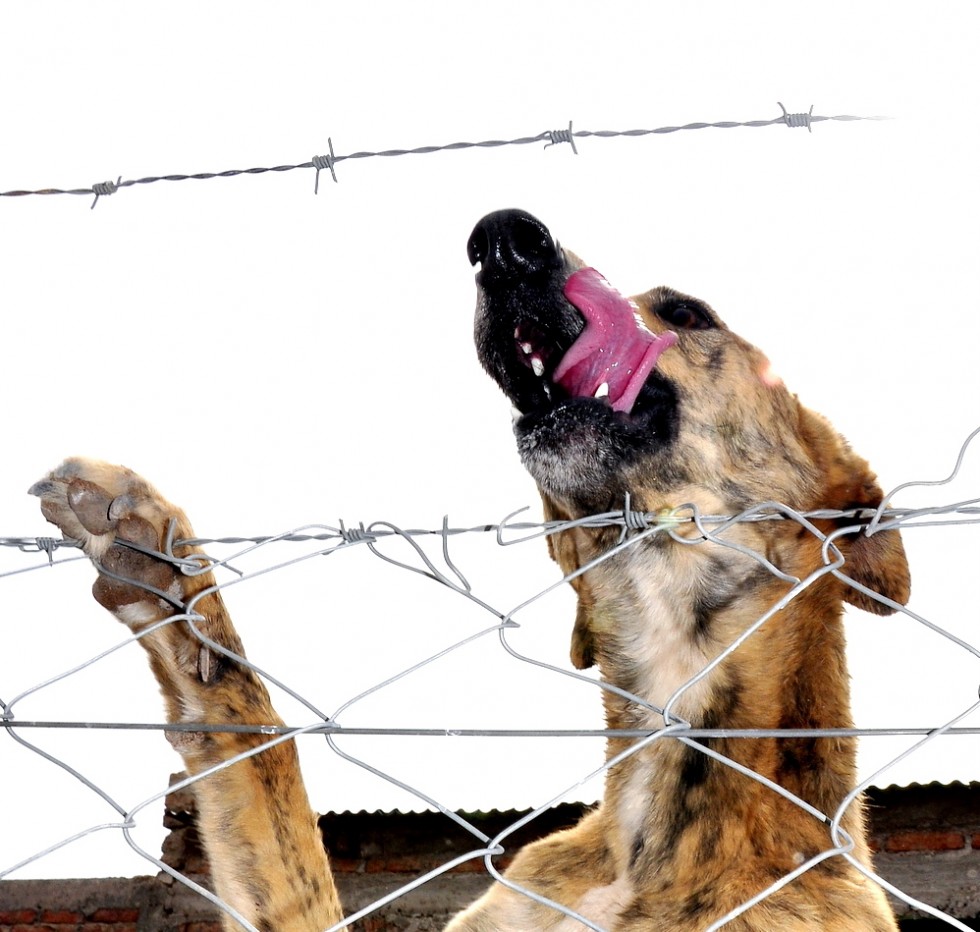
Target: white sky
{"points": [[270, 359]]}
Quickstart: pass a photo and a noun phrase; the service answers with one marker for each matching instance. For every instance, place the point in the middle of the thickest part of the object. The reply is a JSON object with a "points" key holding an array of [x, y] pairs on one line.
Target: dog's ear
{"points": [[876, 561], [582, 650], [563, 551]]}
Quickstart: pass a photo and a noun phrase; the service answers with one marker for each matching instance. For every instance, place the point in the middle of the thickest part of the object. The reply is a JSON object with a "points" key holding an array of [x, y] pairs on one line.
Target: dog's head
{"points": [[653, 396]]}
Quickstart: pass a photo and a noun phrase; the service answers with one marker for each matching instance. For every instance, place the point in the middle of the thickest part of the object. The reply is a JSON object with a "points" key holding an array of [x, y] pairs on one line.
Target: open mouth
{"points": [[554, 334], [609, 360], [578, 363], [615, 353]]}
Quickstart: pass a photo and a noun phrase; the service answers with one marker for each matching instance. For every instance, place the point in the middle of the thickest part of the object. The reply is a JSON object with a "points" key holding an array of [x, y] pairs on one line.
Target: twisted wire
{"points": [[330, 161]]}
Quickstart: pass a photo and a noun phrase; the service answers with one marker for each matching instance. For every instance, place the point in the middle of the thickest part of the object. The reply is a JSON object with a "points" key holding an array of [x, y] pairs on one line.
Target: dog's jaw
{"points": [[573, 357]]}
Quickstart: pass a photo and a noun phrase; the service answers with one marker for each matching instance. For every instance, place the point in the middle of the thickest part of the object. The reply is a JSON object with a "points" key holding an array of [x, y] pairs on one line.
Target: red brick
{"points": [[13, 916], [105, 927], [201, 927], [61, 916], [472, 866], [976, 841], [410, 864], [107, 914], [925, 841]]}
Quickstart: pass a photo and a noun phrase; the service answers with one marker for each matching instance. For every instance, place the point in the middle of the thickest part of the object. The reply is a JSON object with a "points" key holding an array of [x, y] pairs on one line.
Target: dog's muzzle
{"points": [[511, 244], [574, 357], [567, 323]]}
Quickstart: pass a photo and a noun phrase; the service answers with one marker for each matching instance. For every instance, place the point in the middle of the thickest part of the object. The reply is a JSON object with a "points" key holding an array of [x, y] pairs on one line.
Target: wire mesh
{"points": [[429, 553]]}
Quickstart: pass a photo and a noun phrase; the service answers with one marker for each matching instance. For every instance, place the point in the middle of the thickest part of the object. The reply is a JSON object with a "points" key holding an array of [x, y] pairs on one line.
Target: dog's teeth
{"points": [[526, 349], [515, 413], [537, 365], [602, 391]]}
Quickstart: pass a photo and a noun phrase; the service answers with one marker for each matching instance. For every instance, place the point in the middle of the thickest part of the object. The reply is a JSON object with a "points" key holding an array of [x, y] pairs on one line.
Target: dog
{"points": [[653, 402]]}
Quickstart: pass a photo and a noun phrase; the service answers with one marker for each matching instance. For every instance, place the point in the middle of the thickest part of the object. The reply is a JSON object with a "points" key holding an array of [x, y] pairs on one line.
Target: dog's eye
{"points": [[685, 315]]}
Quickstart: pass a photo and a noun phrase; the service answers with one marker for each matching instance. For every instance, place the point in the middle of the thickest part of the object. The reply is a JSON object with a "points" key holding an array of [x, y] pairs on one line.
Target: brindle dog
{"points": [[655, 398], [675, 409]]}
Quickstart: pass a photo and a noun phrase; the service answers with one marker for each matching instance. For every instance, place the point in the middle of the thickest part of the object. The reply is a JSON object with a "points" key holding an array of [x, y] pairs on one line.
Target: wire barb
{"points": [[632, 520], [356, 535], [327, 162], [557, 136], [798, 119], [104, 189], [47, 545]]}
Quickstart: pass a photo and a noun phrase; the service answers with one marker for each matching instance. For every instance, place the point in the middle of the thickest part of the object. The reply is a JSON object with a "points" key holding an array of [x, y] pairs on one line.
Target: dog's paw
{"points": [[103, 507]]}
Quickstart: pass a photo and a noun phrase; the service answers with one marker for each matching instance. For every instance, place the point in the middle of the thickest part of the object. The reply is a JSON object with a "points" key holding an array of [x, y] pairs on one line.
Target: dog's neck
{"points": [[658, 615]]}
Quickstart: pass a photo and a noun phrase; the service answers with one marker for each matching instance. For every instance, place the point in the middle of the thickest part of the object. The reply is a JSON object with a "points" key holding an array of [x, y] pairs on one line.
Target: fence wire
{"points": [[330, 160], [442, 568]]}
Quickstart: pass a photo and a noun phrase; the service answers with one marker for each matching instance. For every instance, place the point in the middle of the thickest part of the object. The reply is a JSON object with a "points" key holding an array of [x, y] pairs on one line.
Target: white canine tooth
{"points": [[537, 366], [526, 348], [515, 414], [602, 391]]}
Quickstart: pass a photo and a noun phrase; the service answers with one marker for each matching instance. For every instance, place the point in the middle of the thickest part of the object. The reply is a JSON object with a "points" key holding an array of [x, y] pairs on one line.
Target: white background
{"points": [[271, 358]]}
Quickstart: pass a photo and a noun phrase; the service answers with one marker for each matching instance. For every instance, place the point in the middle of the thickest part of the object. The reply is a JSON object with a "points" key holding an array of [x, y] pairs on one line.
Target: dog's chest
{"points": [[655, 651]]}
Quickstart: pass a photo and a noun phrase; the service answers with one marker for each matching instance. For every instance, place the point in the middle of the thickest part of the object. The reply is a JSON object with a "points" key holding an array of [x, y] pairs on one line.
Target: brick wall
{"points": [[137, 904], [101, 919], [927, 840], [373, 854]]}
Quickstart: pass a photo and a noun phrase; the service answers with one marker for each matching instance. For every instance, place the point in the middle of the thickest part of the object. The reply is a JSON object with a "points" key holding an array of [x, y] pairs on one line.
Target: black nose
{"points": [[512, 243]]}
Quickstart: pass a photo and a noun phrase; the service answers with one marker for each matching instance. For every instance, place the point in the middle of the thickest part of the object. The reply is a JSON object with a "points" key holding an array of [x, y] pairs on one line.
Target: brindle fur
{"points": [[680, 839], [263, 843]]}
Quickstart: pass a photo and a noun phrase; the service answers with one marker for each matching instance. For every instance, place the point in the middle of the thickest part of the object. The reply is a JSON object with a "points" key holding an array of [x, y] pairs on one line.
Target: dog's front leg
{"points": [[574, 867], [261, 836]]}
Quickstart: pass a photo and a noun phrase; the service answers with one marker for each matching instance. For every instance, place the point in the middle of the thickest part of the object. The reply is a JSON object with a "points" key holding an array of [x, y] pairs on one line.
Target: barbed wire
{"points": [[443, 568], [330, 160], [966, 512]]}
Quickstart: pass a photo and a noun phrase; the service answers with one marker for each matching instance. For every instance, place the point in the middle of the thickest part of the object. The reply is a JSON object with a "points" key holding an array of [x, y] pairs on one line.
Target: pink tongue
{"points": [[615, 348]]}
